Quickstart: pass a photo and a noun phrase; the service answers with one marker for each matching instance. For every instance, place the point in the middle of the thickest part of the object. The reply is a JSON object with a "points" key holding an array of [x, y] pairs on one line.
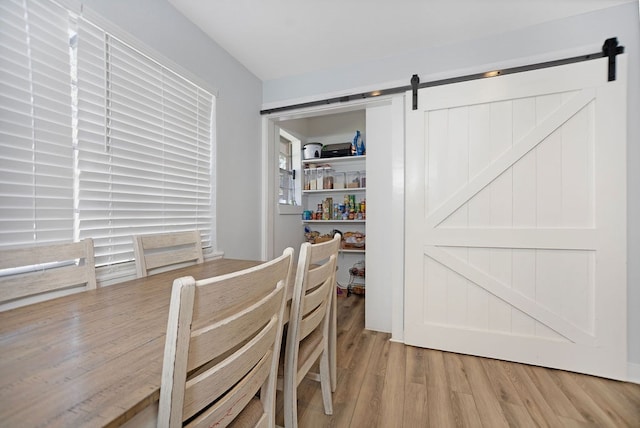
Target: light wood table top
{"points": [[92, 358]]}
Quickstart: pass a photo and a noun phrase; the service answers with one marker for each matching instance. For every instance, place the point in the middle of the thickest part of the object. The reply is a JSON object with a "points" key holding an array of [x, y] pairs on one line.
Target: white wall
{"points": [[568, 37], [378, 307], [160, 26]]}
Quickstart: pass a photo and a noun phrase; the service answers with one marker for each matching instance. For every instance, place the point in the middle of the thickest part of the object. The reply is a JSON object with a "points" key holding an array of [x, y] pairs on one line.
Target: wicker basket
{"points": [[353, 241]]}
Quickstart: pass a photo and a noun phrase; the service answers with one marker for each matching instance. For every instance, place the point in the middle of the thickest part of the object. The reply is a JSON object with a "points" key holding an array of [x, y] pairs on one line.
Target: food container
{"points": [[353, 180], [311, 151], [327, 209], [363, 179], [320, 178], [353, 241], [327, 182], [338, 180], [312, 178], [307, 179]]}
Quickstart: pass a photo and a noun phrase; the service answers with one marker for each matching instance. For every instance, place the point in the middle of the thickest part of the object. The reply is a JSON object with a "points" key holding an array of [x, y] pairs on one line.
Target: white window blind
{"points": [[36, 153], [144, 140]]}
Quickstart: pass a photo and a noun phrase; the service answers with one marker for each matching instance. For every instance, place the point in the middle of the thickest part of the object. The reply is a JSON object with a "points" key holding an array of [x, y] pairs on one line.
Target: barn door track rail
{"points": [[610, 49]]}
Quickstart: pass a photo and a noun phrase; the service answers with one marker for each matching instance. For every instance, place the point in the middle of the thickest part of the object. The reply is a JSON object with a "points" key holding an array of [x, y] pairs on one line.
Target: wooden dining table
{"points": [[93, 358]]}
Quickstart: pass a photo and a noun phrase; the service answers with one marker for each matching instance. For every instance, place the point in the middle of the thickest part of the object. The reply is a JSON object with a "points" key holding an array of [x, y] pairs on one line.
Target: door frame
{"points": [[269, 124], [395, 212]]}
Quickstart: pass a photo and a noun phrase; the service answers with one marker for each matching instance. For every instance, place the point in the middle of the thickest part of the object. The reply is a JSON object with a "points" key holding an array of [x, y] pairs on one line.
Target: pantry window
{"points": [[289, 171]]}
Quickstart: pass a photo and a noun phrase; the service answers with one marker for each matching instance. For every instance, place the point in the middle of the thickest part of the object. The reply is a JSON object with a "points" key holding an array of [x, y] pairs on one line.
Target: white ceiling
{"points": [[281, 38]]}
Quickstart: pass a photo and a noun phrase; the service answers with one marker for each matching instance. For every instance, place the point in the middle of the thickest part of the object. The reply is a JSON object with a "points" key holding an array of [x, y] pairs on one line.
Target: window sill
{"points": [[289, 209]]}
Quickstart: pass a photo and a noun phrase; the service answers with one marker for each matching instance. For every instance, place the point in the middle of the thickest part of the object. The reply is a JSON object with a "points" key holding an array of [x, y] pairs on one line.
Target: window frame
{"points": [[296, 164], [76, 11], [139, 159]]}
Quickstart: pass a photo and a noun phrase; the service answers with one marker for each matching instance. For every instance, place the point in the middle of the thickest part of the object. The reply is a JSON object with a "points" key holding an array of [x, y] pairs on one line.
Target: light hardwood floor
{"points": [[386, 384]]}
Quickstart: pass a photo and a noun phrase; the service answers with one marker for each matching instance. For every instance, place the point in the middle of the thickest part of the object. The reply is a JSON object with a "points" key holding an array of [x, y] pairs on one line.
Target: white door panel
{"points": [[516, 218]]}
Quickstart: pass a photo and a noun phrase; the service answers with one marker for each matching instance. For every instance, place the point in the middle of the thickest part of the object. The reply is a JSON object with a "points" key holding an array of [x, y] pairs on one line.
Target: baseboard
{"points": [[633, 372]]}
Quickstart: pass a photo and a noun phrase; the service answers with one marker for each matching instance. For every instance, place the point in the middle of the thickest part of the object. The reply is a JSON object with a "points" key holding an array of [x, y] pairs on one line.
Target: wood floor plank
{"points": [[632, 390], [387, 384], [342, 409], [438, 390], [440, 407], [380, 355], [436, 371], [456, 373], [538, 408], [350, 326], [367, 406], [567, 422], [392, 402], [415, 408], [553, 395], [487, 403], [517, 416], [588, 408], [621, 407], [350, 385], [464, 410], [500, 382], [308, 406], [415, 365]]}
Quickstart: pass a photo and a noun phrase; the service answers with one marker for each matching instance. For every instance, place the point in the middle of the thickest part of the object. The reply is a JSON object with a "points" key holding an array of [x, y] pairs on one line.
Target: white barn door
{"points": [[516, 218]]}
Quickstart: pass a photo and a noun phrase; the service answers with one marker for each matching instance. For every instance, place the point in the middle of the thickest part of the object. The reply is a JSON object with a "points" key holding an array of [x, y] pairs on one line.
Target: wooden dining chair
{"points": [[33, 274], [307, 338], [165, 251], [222, 348]]}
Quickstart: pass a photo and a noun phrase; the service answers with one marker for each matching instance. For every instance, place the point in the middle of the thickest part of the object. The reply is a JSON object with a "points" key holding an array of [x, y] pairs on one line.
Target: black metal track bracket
{"points": [[611, 49], [415, 81]]}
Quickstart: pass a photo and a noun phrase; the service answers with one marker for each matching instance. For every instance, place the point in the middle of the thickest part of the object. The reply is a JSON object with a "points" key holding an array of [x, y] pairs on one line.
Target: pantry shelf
{"points": [[344, 159], [333, 221], [344, 190]]}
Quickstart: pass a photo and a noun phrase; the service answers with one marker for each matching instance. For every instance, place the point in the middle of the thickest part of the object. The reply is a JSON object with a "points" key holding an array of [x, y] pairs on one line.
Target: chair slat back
{"points": [[315, 302], [37, 273], [315, 279], [165, 251], [222, 345], [313, 292]]}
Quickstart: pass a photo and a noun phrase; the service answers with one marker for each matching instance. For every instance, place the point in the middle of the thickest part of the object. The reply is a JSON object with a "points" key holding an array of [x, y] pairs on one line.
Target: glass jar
{"points": [[338, 180], [320, 178], [363, 179], [307, 179], [312, 178], [327, 181], [353, 180]]}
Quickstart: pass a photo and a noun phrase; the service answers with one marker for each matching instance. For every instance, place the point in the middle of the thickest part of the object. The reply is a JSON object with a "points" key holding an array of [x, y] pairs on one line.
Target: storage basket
{"points": [[353, 241]]}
